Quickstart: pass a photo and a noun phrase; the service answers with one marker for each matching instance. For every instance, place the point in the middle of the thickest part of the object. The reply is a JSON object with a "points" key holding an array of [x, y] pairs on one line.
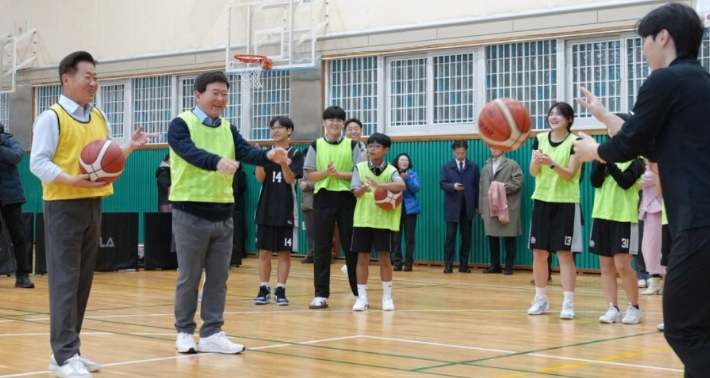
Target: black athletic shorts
{"points": [[610, 237], [274, 238], [366, 239], [556, 227]]}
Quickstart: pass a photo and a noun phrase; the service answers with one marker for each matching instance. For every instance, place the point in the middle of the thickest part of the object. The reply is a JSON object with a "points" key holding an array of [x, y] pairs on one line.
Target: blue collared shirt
{"points": [[46, 138], [207, 120]]}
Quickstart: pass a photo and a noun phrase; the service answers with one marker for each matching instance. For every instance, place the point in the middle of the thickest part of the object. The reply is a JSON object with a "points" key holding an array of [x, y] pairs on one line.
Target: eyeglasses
{"points": [[335, 120], [279, 127]]}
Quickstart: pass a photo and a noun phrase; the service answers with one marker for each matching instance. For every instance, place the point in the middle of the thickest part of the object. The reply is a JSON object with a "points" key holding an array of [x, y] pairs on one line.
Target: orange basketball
{"points": [[388, 200], [102, 160], [504, 124]]}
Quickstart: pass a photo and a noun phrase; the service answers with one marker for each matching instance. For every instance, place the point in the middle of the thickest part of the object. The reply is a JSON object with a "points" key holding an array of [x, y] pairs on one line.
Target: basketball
{"points": [[388, 200], [504, 124], [102, 160]]}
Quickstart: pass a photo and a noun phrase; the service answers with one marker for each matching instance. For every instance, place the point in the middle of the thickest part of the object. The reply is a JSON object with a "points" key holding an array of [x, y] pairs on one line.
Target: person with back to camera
{"points": [[556, 217], [410, 211], [670, 126], [502, 174], [459, 180], [11, 199]]}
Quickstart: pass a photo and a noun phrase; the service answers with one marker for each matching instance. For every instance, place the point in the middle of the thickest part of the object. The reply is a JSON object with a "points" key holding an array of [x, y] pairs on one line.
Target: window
{"points": [[407, 92], [596, 66], [704, 54], [353, 87], [153, 105], [5, 110], [637, 70], [46, 97], [524, 71], [269, 101], [453, 88], [187, 94], [112, 100]]}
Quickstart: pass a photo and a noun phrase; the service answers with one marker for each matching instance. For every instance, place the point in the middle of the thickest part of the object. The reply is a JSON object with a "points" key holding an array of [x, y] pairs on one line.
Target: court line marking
{"points": [[196, 355], [603, 360], [438, 344]]}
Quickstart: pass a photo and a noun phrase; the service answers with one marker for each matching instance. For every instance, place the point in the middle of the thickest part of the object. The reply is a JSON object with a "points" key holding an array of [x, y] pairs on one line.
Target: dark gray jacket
{"points": [[11, 154]]}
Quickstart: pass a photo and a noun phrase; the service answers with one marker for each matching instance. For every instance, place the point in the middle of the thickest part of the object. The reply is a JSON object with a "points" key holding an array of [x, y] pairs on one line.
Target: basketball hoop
{"points": [[257, 63]]}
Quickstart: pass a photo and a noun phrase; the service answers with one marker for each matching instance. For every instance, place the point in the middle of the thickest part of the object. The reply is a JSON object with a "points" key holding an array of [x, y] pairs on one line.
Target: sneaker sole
{"points": [[53, 367], [260, 303], [207, 350], [566, 317], [539, 312], [608, 322], [188, 350], [318, 307], [282, 303], [361, 309]]}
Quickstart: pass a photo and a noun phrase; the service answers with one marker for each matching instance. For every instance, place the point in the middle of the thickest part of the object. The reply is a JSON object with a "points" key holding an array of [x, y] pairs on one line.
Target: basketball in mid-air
{"points": [[388, 200], [504, 124], [102, 160]]}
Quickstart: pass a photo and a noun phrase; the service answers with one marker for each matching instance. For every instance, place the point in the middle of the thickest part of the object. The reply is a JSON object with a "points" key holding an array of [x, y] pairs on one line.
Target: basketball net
{"points": [[256, 64]]}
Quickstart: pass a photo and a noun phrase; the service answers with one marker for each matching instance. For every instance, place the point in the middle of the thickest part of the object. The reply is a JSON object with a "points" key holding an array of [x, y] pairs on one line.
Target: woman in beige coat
{"points": [[501, 169]]}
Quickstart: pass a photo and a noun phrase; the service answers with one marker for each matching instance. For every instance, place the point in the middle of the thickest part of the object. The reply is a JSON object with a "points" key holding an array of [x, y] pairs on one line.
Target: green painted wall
{"points": [[136, 191]]}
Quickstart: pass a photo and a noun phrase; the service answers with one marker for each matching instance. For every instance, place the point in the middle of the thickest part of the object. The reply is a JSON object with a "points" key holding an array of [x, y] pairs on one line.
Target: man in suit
{"points": [[459, 181]]}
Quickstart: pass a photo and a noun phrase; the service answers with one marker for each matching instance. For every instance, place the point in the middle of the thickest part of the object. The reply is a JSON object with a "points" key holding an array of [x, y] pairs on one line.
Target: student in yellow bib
{"points": [[204, 149], [615, 237], [72, 206], [373, 227], [556, 219]]}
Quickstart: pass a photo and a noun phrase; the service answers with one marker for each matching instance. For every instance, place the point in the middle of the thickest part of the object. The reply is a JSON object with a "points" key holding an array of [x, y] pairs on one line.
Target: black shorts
{"points": [[556, 227], [274, 238], [666, 243], [610, 237], [366, 240]]}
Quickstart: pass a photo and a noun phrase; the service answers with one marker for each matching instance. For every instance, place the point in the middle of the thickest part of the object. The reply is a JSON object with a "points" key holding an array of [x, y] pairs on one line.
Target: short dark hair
{"points": [[380, 139], [458, 144], [283, 121], [682, 22], [69, 63], [351, 120], [565, 109], [207, 78], [167, 157], [395, 162], [334, 112]]}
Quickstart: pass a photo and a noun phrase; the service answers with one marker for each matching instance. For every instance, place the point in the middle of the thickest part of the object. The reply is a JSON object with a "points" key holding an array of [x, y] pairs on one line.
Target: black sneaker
{"points": [[397, 267], [263, 297], [280, 294], [307, 260], [23, 282], [508, 271], [407, 268]]}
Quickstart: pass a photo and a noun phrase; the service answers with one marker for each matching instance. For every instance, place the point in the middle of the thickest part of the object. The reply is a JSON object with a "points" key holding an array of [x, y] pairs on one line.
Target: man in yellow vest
{"points": [[204, 149], [72, 206]]}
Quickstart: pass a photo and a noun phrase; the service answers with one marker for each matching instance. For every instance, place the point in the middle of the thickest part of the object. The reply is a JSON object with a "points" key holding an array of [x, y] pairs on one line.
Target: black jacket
{"points": [[162, 175], [11, 154]]}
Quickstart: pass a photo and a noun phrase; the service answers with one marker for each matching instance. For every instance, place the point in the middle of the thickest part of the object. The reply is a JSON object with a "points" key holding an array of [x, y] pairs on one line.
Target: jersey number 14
{"points": [[276, 177]]}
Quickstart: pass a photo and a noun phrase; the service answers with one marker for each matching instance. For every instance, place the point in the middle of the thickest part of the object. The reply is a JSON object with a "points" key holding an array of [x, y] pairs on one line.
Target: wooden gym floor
{"points": [[455, 325]]}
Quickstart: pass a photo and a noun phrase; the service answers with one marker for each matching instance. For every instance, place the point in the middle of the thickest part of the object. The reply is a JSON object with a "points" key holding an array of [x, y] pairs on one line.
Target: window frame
{"points": [[128, 126]]}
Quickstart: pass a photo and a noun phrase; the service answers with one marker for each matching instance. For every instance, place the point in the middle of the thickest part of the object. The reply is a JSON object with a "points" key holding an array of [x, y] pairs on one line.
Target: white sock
{"points": [[265, 284], [281, 285], [540, 292], [386, 289], [569, 295], [362, 291]]}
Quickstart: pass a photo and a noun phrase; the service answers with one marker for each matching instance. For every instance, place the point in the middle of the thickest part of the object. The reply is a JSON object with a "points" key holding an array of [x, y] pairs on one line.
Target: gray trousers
{"points": [[201, 244], [72, 229]]}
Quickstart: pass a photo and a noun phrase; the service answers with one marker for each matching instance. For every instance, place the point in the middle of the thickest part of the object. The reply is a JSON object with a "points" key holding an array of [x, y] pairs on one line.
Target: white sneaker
{"points": [[344, 269], [539, 305], [660, 327], [318, 302], [613, 315], [642, 283], [218, 343], [73, 368], [567, 310], [361, 304], [387, 304], [633, 315], [185, 343], [90, 365]]}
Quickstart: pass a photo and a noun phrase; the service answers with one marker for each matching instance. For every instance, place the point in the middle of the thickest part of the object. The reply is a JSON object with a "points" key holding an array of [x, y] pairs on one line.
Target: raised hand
{"points": [[585, 148], [140, 138], [278, 155], [227, 167]]}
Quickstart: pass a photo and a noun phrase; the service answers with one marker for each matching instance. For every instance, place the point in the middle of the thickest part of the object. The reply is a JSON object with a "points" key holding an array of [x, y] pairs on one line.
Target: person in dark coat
{"points": [[162, 176], [459, 180], [11, 200]]}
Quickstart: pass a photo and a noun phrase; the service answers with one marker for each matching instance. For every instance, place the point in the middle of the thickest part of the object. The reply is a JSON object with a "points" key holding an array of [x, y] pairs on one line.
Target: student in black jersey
{"points": [[671, 126], [275, 219], [329, 166]]}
